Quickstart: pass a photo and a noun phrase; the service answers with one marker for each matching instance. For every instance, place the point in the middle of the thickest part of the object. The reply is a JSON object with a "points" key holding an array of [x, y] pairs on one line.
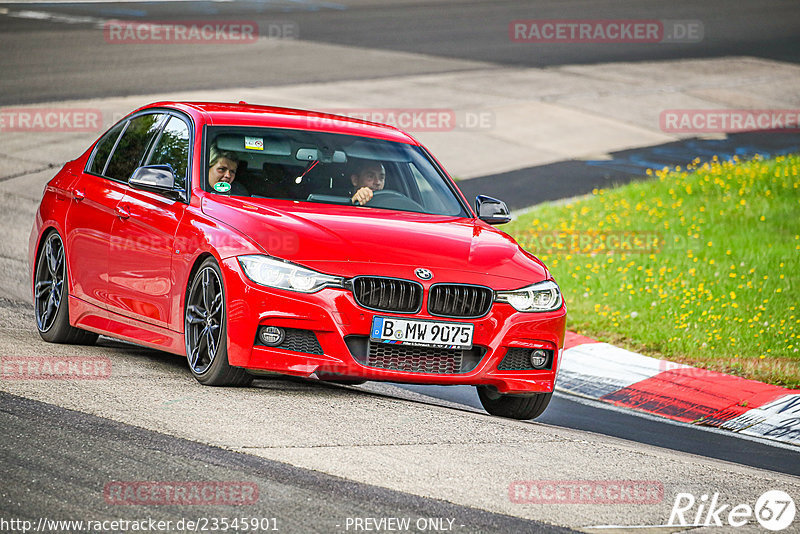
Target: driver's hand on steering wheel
{"points": [[362, 196]]}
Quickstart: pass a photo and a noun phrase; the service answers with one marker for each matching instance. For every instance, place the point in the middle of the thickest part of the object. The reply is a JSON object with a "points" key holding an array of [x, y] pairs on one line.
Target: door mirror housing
{"points": [[491, 210], [157, 178]]}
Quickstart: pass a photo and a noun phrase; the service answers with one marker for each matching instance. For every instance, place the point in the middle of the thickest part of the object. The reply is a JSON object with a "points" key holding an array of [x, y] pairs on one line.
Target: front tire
{"points": [[206, 333], [513, 406], [51, 298]]}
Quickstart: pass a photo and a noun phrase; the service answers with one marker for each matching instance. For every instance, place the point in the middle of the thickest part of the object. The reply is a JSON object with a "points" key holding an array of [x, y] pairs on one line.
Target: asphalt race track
{"points": [[54, 60], [80, 445], [570, 412], [323, 455]]}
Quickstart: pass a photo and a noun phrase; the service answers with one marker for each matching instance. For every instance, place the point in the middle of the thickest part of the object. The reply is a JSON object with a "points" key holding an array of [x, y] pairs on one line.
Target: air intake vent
{"points": [[298, 340], [516, 359], [301, 341], [455, 300], [413, 359], [388, 294]]}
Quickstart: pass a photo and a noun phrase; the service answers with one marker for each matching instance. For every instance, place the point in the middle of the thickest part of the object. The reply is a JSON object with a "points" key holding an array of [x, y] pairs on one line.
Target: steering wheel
{"points": [[387, 198]]}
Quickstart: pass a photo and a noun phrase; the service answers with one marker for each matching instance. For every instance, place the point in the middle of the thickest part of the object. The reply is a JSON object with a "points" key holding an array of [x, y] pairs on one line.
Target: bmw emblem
{"points": [[423, 274]]}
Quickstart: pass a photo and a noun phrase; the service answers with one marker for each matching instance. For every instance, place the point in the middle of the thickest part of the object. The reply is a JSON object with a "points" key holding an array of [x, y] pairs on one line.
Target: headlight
{"points": [[273, 272], [544, 296]]}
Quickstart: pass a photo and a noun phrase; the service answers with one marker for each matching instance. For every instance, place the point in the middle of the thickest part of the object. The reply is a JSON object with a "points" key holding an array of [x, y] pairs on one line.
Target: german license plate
{"points": [[421, 333]]}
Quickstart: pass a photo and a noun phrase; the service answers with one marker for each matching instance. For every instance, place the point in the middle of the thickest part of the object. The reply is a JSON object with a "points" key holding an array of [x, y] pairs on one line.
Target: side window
{"points": [[172, 148], [104, 147], [132, 146]]}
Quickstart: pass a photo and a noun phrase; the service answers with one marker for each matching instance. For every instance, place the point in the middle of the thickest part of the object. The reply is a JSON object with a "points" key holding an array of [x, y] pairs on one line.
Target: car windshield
{"points": [[326, 168]]}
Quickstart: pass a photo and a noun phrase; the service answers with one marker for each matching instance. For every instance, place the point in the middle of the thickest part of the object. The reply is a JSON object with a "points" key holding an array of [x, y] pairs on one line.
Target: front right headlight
{"points": [[541, 297], [272, 272]]}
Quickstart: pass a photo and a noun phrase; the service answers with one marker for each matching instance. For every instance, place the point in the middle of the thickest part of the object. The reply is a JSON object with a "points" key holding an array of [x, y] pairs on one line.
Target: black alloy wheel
{"points": [[50, 297], [206, 332]]}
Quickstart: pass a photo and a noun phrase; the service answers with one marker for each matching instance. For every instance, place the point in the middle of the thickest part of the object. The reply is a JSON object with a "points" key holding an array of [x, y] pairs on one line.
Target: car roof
{"points": [[244, 114]]}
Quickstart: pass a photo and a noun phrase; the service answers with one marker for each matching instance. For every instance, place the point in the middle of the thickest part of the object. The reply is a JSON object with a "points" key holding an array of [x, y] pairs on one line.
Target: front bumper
{"points": [[334, 316]]}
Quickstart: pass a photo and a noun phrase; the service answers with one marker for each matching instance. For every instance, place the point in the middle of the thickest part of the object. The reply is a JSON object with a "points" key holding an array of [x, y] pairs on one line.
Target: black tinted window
{"points": [[132, 146], [104, 147], [172, 149]]}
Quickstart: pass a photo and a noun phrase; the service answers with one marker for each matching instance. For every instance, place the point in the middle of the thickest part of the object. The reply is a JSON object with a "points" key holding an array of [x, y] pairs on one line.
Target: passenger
{"points": [[366, 178], [222, 168]]}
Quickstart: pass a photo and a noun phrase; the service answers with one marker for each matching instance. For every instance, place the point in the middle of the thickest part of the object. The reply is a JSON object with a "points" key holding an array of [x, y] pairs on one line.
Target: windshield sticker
{"points": [[222, 187], [254, 143]]}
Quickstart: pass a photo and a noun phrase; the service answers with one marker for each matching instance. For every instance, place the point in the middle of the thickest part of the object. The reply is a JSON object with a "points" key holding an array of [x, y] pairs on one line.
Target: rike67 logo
{"points": [[774, 510]]}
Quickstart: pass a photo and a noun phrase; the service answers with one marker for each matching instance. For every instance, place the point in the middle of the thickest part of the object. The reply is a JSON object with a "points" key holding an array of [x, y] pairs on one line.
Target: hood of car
{"points": [[351, 241]]}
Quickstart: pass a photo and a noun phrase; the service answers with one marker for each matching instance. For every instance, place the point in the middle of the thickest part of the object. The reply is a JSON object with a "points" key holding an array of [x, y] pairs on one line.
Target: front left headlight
{"points": [[273, 272], [541, 297]]}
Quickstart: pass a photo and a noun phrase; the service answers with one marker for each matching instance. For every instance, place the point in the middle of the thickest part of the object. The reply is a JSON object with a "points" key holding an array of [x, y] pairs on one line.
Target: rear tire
{"points": [[51, 298], [513, 406], [206, 332]]}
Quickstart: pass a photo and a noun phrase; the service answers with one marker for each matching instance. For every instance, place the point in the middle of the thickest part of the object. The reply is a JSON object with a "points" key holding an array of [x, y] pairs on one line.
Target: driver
{"points": [[367, 177], [222, 168]]}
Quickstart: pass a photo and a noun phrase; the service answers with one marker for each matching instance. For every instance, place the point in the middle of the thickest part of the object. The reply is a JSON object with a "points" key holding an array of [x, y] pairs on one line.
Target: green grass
{"points": [[699, 266]]}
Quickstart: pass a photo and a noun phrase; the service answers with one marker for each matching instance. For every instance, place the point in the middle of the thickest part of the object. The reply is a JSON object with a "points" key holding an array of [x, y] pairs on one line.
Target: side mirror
{"points": [[491, 210], [153, 177], [158, 178]]}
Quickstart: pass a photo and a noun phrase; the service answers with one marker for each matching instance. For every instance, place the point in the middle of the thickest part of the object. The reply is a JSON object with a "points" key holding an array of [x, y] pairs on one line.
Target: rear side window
{"points": [[104, 147], [132, 146], [172, 148]]}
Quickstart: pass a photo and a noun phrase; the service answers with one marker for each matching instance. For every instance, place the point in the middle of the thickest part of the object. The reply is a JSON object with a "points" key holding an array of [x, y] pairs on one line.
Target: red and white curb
{"points": [[680, 392]]}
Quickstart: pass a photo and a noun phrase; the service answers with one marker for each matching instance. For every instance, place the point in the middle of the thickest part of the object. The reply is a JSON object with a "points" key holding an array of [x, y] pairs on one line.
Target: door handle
{"points": [[78, 194], [122, 212]]}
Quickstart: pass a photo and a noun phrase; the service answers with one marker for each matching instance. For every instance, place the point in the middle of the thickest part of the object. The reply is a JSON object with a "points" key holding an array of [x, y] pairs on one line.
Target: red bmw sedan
{"points": [[258, 240]]}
